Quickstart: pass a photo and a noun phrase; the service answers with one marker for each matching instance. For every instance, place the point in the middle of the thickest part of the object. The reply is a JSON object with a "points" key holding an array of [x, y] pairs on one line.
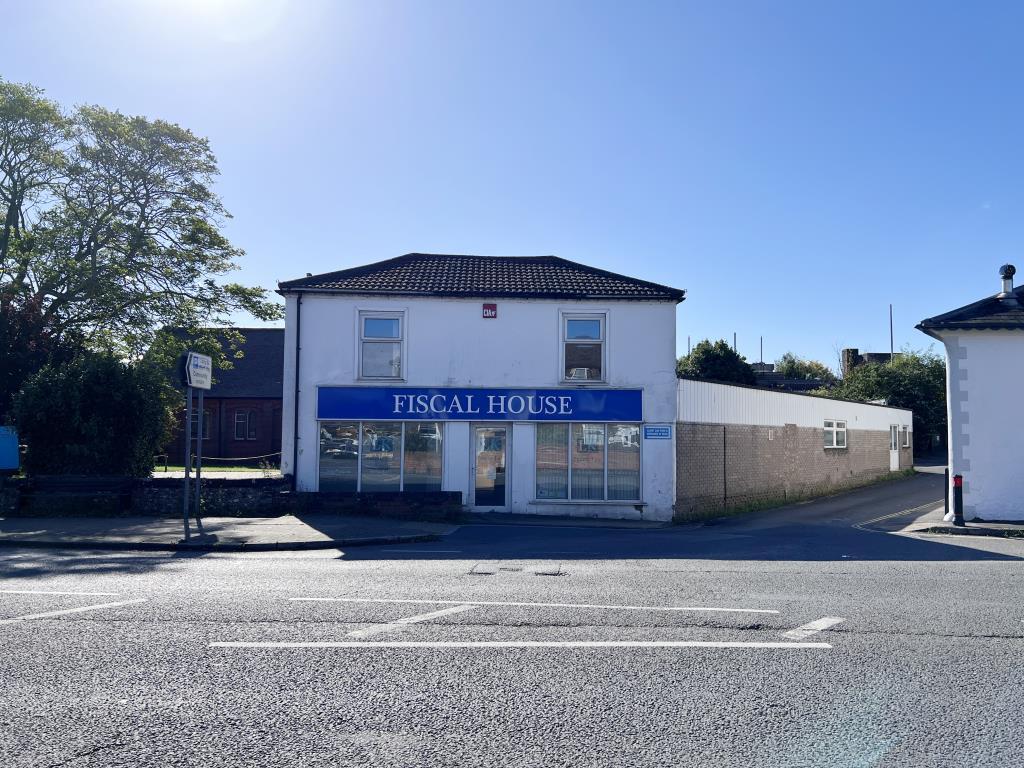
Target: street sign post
{"points": [[198, 375]]}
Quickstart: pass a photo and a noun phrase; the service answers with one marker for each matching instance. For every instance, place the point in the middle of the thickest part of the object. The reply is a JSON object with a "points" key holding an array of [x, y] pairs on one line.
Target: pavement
{"points": [[310, 531], [797, 637], [227, 474]]}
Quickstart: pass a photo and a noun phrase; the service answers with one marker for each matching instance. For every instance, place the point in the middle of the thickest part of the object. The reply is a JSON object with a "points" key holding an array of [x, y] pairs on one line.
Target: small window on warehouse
{"points": [[584, 347], [381, 337], [835, 434], [245, 425], [906, 436]]}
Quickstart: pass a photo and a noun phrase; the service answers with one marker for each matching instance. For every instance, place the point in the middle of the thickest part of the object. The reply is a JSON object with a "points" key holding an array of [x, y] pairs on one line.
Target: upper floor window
{"points": [[583, 347], [381, 336], [245, 425]]}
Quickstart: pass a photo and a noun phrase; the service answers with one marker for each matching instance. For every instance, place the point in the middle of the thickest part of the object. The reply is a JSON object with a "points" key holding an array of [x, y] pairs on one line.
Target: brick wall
{"points": [[721, 467]]}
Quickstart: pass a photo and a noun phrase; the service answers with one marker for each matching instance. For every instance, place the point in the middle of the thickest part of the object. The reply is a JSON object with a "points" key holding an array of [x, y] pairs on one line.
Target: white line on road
{"points": [[812, 627], [864, 525], [45, 592], [428, 551], [527, 605], [378, 628], [527, 644], [51, 614]]}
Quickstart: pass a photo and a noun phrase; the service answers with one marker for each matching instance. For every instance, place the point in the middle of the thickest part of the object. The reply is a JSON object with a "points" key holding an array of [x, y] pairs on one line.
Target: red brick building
{"points": [[242, 418]]}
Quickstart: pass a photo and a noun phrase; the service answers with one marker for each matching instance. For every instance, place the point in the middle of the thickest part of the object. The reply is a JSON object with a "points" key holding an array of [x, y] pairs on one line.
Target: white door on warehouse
{"points": [[894, 447]]}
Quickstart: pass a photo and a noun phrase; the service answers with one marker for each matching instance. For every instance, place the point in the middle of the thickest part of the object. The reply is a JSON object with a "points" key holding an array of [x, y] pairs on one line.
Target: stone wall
{"points": [[221, 497], [725, 467]]}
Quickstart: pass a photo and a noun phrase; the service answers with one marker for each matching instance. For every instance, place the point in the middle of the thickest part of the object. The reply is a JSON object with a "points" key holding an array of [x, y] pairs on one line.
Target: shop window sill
{"points": [[591, 502]]}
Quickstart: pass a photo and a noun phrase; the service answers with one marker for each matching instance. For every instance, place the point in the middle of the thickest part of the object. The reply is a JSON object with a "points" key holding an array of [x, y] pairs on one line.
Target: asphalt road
{"points": [[529, 646]]}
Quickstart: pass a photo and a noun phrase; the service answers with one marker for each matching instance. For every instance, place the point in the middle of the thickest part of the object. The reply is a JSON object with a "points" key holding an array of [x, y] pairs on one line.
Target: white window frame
{"points": [[250, 426], [398, 315], [563, 321], [906, 436], [833, 429]]}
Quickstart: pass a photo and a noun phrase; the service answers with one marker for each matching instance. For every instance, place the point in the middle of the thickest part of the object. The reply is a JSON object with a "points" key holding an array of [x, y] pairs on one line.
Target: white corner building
{"points": [[531, 385], [984, 344]]}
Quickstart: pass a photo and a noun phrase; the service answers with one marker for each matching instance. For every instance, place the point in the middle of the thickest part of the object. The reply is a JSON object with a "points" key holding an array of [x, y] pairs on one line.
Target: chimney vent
{"points": [[1007, 296]]}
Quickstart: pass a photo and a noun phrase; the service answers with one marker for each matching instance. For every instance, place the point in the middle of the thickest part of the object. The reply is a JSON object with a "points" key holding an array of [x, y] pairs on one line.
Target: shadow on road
{"points": [[822, 530]]}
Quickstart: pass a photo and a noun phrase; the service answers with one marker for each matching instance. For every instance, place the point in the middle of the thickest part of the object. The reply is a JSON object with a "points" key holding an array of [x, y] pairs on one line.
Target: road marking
{"points": [[378, 628], [44, 592], [50, 614], [527, 605], [428, 551], [528, 644], [880, 518], [812, 627]]}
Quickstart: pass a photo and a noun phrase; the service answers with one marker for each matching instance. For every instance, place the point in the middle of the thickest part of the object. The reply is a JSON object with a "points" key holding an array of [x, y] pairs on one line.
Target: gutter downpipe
{"points": [[295, 401]]}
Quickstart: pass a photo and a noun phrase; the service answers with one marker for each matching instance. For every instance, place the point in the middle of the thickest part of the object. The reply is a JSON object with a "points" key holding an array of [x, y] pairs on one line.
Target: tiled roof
{"points": [[991, 313], [428, 274], [259, 373]]}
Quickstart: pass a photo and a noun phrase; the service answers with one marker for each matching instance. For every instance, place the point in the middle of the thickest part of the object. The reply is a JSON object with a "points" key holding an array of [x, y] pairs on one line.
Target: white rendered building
{"points": [[532, 385], [984, 389]]}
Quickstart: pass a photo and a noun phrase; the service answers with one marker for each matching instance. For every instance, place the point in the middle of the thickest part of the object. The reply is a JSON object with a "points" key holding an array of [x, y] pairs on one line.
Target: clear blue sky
{"points": [[796, 166]]}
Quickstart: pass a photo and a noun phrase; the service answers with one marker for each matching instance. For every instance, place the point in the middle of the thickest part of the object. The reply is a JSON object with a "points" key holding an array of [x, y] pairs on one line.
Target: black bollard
{"points": [[958, 501]]}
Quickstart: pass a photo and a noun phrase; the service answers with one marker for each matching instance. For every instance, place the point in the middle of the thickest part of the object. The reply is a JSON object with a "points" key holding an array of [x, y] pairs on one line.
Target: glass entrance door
{"points": [[489, 447]]}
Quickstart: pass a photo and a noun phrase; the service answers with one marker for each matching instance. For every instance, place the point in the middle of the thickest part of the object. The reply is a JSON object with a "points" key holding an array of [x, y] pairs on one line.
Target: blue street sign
{"points": [[458, 404], [9, 458], [658, 432]]}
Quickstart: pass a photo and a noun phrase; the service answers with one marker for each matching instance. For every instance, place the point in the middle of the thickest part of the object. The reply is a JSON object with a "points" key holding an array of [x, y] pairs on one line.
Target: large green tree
{"points": [[110, 227], [793, 367], [716, 361], [913, 379]]}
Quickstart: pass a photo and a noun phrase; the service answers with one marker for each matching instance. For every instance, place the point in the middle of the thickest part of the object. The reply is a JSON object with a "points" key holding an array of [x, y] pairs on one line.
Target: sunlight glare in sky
{"points": [[235, 21]]}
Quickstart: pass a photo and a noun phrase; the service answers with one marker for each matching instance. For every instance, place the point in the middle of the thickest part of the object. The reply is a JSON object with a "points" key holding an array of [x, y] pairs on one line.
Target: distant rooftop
{"points": [[432, 274], [259, 373]]}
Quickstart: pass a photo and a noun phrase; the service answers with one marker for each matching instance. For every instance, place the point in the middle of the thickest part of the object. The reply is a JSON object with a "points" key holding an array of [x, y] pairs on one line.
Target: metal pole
{"points": [[958, 501], [188, 453], [199, 459], [945, 510], [890, 334]]}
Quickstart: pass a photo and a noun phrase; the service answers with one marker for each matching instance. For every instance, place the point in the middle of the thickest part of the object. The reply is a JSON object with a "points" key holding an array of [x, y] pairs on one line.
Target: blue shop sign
{"points": [[657, 432], [457, 404]]}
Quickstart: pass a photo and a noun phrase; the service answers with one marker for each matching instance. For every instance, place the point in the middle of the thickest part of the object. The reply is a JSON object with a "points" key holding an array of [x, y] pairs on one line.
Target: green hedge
{"points": [[94, 415]]}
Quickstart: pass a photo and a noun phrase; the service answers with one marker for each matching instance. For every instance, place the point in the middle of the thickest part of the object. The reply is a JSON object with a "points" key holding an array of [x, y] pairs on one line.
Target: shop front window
{"points": [[339, 456], [552, 461], [623, 462], [588, 462], [422, 462], [380, 456]]}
